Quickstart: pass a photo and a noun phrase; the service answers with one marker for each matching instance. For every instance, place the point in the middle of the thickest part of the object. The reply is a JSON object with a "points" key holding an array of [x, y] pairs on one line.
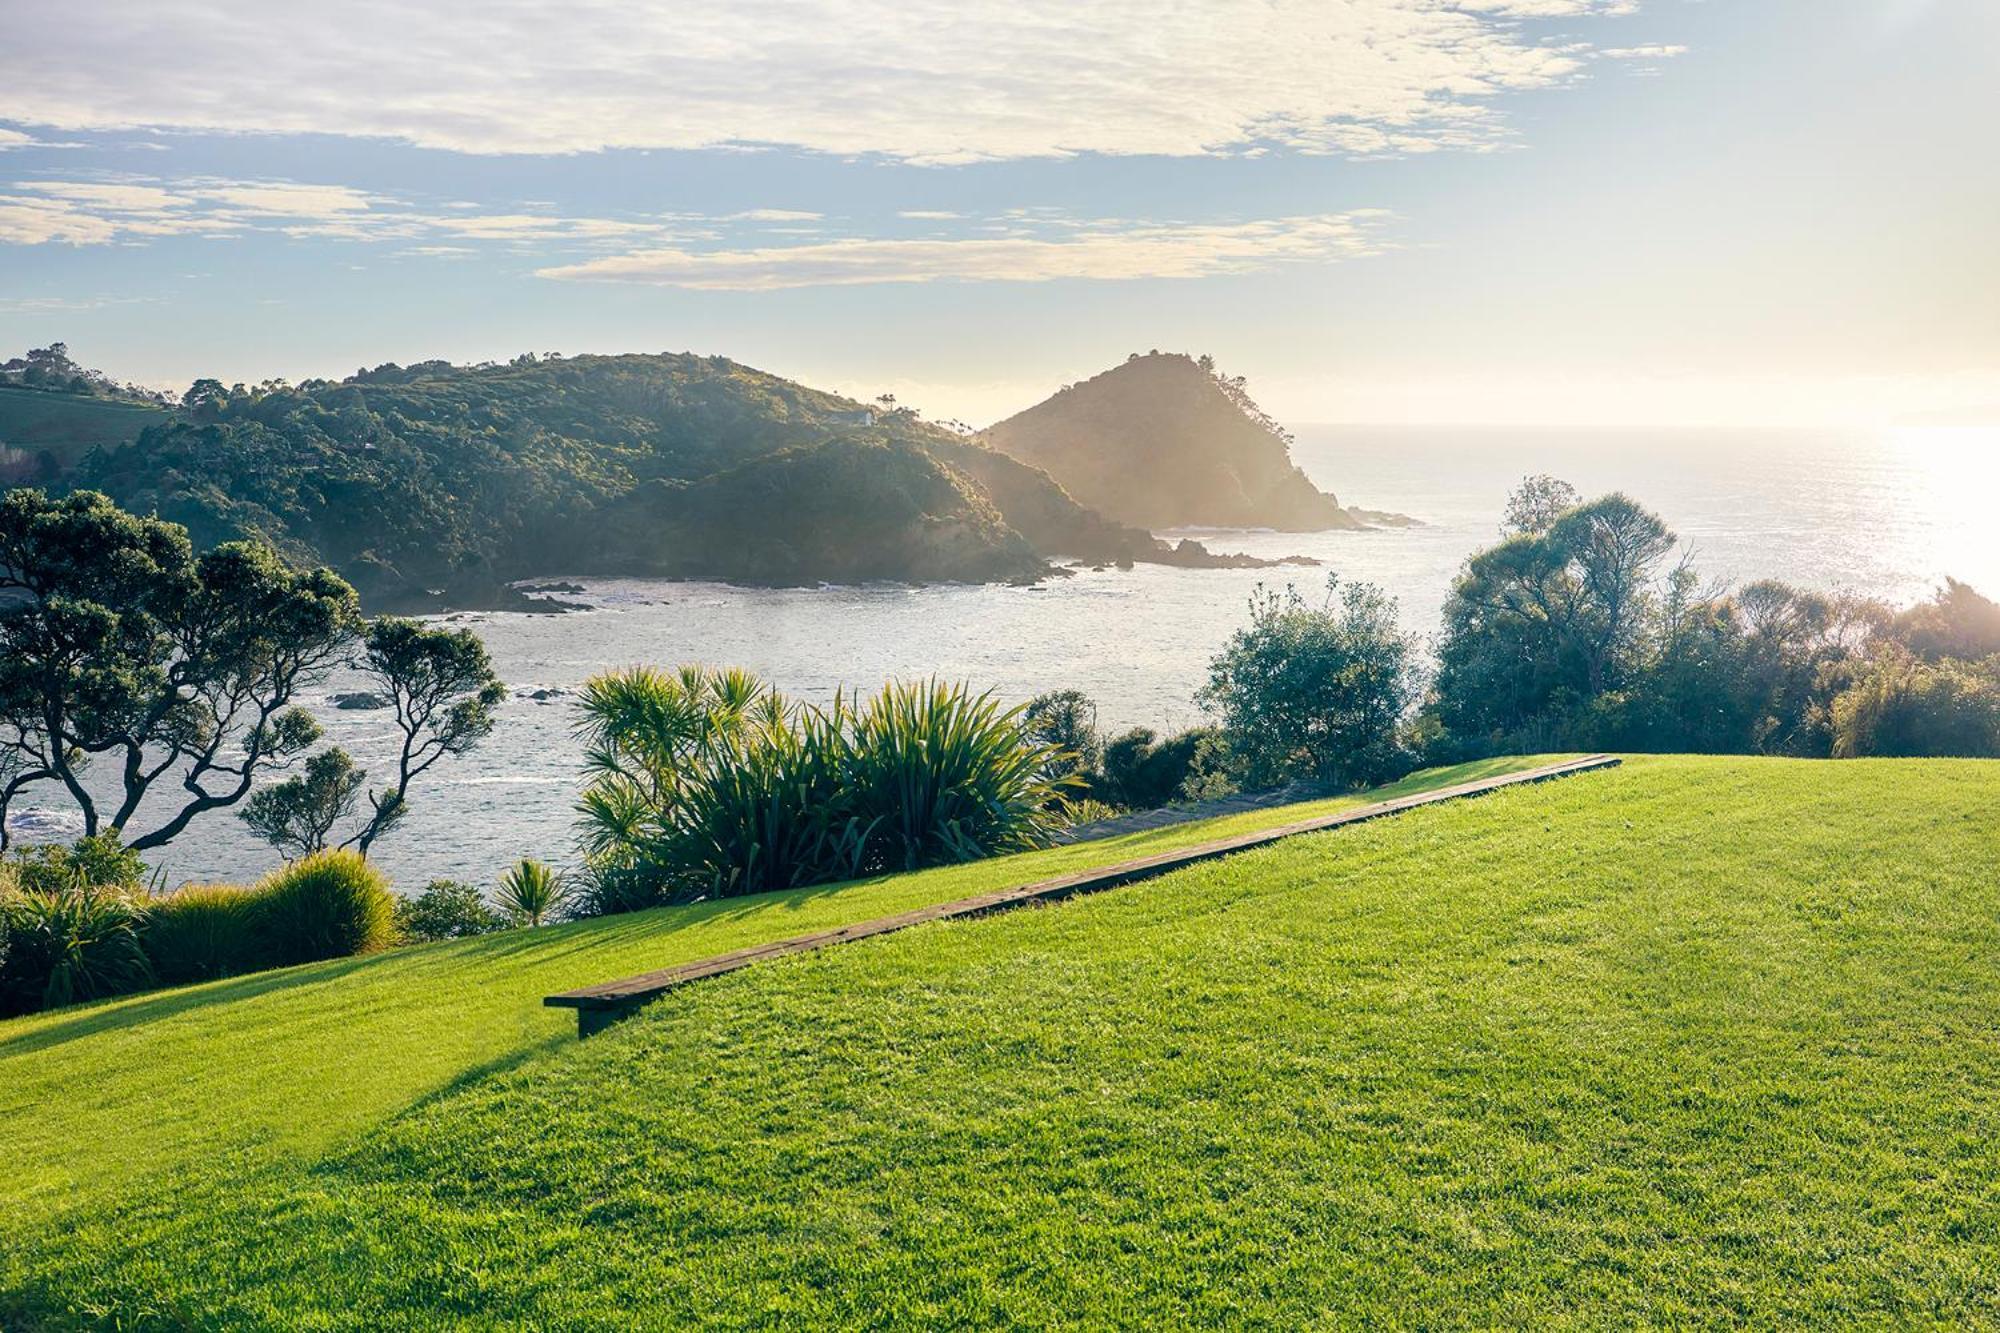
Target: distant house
{"points": [[860, 417]]}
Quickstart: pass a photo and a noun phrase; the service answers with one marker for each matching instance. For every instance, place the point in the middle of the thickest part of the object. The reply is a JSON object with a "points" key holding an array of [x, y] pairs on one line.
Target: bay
{"points": [[1888, 514]]}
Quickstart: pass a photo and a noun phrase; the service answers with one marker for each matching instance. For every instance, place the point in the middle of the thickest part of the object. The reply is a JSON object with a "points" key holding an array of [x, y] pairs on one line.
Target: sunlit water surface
{"points": [[1888, 515]]}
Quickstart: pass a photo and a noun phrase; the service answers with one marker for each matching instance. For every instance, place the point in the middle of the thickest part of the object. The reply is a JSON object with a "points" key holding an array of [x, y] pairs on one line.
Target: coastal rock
{"points": [[358, 700]]}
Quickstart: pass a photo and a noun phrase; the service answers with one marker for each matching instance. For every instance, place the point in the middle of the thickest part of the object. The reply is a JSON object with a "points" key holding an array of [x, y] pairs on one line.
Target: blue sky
{"points": [[1510, 211]]}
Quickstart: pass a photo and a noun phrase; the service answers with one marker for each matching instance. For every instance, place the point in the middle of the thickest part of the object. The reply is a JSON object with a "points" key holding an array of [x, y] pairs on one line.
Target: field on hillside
{"points": [[69, 425], [1691, 1041]]}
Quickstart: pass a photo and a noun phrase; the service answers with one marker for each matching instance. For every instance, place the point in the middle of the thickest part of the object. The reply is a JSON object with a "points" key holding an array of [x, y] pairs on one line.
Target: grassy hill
{"points": [[68, 426], [1693, 1041]]}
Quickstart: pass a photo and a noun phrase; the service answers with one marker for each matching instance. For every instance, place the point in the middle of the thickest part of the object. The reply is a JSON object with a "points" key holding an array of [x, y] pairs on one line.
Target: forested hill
{"points": [[1165, 440], [434, 484]]}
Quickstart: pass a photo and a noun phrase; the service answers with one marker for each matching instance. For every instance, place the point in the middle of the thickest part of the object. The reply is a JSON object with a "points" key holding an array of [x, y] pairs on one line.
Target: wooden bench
{"points": [[598, 1006]]}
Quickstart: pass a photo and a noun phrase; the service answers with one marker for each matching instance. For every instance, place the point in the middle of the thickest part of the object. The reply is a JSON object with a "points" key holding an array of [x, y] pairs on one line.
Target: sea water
{"points": [[1885, 514]]}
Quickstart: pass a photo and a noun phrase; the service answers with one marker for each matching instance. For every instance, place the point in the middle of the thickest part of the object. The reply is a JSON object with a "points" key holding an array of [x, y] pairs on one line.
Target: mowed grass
{"points": [[96, 1101], [1696, 1041], [70, 426]]}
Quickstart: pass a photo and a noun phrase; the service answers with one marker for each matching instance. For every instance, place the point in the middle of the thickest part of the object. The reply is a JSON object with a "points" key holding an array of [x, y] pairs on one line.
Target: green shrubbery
{"points": [[446, 910], [201, 932], [77, 924], [1902, 706], [71, 944], [331, 904], [1579, 632], [709, 783], [531, 894]]}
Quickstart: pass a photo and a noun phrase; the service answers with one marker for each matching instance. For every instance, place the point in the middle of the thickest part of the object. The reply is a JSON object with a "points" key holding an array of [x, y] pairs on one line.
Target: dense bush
{"points": [[203, 931], [706, 783], [329, 905], [1315, 692], [940, 775], [1903, 706], [1576, 633], [446, 910], [69, 945], [1143, 772], [97, 860]]}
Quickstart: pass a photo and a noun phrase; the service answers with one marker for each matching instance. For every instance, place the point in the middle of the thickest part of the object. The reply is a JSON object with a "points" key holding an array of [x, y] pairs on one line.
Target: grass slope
{"points": [[1693, 1041], [97, 1099], [70, 425]]}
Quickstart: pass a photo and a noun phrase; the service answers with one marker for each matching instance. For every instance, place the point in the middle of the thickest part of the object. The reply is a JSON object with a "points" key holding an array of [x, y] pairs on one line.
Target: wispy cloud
{"points": [[1099, 250], [101, 211], [1658, 52], [918, 80]]}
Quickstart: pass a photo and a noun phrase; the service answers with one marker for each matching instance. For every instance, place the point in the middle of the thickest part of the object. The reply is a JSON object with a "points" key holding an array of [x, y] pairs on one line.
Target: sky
{"points": [[1519, 212]]}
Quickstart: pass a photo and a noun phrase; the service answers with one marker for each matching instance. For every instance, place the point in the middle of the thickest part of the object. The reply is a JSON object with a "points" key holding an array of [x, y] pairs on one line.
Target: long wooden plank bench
{"points": [[598, 1006]]}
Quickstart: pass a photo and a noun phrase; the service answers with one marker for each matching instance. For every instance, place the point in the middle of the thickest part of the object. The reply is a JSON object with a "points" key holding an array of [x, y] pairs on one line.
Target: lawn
{"points": [[298, 1061], [1695, 1041]]}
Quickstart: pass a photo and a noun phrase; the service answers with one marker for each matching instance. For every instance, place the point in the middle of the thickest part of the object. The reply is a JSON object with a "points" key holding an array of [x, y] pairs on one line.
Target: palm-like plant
{"points": [[708, 783], [947, 775], [531, 893]]}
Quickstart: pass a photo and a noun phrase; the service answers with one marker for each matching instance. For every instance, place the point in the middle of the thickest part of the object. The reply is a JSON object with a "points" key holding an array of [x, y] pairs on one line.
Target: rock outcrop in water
{"points": [[1163, 441]]}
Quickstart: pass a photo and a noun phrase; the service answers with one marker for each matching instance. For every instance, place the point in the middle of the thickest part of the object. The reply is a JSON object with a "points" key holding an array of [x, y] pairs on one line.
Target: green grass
{"points": [[1693, 1041], [299, 1060], [69, 425]]}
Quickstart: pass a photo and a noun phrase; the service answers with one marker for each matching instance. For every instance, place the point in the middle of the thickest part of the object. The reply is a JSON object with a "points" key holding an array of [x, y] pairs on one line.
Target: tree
{"points": [[1536, 504], [1066, 721], [121, 645], [298, 815], [1553, 617], [1315, 692], [441, 686]]}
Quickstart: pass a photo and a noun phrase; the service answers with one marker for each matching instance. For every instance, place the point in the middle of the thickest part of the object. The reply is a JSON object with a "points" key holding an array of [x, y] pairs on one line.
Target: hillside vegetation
{"points": [[1165, 441], [436, 485], [1693, 1041]]}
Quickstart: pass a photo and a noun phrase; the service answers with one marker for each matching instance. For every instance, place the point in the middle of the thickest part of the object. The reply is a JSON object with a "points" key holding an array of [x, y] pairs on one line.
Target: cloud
{"points": [[919, 80], [1104, 250], [1642, 52], [929, 214], [775, 215], [101, 211]]}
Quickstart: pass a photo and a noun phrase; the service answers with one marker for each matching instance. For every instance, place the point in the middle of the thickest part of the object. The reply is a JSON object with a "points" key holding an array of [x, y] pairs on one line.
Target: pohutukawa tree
{"points": [[122, 648]]}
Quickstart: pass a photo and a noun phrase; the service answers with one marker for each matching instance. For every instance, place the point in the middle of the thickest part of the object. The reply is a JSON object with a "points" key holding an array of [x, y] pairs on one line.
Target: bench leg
{"points": [[590, 1022]]}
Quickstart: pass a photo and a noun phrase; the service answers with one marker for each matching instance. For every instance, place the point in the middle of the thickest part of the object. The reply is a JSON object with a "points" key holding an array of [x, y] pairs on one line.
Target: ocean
{"points": [[1888, 514]]}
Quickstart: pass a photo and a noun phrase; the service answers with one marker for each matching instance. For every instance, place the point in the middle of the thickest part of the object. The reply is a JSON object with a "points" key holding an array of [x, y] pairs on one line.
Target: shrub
{"points": [[97, 860], [774, 813], [709, 783], [328, 905], [1903, 706], [1143, 772], [76, 943], [1315, 692], [446, 910], [202, 931], [531, 893], [939, 775], [1084, 810]]}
